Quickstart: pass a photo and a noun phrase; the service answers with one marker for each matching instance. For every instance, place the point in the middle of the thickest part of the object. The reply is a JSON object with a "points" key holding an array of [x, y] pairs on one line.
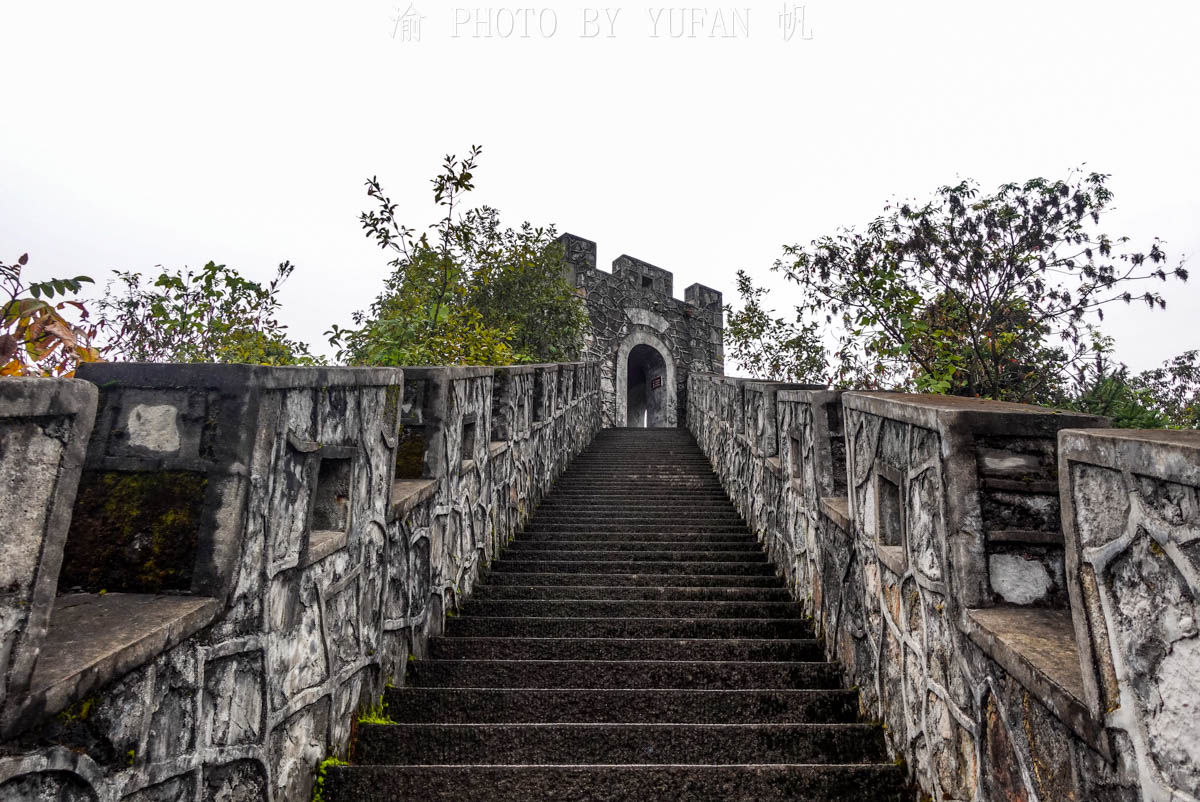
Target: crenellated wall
{"points": [[634, 316], [1012, 589], [252, 555]]}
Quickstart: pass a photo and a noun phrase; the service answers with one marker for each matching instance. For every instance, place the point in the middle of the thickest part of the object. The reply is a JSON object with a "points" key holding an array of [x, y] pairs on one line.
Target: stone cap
{"points": [[1172, 454], [974, 414], [234, 377]]}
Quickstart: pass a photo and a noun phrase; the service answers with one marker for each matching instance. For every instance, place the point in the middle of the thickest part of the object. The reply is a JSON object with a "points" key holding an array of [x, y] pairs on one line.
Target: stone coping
{"points": [[1171, 454], [816, 396], [408, 493], [1037, 647], [167, 375], [95, 638], [322, 543], [837, 509], [26, 397], [977, 414]]}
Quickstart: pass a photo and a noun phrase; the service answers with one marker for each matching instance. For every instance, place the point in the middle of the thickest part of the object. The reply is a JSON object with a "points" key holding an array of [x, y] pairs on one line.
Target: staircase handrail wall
{"points": [[217, 643], [1014, 650]]}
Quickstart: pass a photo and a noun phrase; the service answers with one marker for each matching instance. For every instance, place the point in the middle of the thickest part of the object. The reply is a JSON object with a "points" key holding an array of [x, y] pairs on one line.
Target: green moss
{"points": [[376, 713], [134, 531], [322, 768], [410, 452], [391, 407], [78, 711]]}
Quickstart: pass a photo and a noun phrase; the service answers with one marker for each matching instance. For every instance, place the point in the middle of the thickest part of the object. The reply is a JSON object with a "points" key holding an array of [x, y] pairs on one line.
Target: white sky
{"points": [[174, 133]]}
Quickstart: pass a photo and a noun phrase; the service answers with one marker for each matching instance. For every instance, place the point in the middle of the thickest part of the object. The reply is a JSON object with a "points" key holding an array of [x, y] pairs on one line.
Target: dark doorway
{"points": [[647, 387]]}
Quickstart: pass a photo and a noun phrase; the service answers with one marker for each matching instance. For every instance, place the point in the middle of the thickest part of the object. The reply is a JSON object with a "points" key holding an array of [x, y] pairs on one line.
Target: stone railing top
{"points": [[978, 414], [159, 375], [1172, 454]]}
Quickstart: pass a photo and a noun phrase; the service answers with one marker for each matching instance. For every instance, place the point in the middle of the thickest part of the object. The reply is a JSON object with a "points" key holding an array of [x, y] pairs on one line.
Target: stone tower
{"points": [[645, 339]]}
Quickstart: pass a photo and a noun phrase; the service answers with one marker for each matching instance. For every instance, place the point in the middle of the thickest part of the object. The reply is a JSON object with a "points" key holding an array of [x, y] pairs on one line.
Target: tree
{"points": [[37, 336], [1174, 390], [1104, 387], [997, 296], [210, 315], [472, 293], [770, 347]]}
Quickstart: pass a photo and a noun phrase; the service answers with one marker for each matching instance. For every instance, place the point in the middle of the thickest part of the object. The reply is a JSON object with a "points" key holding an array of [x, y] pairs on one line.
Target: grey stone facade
{"points": [[646, 341], [336, 516], [1013, 591]]}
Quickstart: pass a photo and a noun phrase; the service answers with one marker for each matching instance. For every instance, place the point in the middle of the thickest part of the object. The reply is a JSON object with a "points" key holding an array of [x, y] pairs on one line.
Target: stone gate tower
{"points": [[646, 340]]}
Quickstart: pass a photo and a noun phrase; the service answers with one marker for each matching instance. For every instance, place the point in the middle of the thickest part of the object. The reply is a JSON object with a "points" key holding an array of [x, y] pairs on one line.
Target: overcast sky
{"points": [[175, 133]]}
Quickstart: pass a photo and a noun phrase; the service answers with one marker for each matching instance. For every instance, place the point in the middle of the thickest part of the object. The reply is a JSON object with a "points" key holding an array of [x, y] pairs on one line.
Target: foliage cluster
{"points": [[465, 292], [42, 332], [995, 295], [210, 315]]}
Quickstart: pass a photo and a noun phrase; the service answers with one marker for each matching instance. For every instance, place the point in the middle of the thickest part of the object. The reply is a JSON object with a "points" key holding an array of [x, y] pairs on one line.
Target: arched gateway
{"points": [[646, 340], [648, 393]]}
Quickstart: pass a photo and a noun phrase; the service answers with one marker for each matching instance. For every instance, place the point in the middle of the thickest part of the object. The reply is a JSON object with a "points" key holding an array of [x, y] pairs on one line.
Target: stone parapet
{"points": [[1011, 588], [253, 554]]}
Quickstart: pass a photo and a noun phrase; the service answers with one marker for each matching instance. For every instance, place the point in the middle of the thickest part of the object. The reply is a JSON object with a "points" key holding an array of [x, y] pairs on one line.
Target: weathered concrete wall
{"points": [[924, 536], [633, 306], [311, 568], [44, 428], [1132, 520]]}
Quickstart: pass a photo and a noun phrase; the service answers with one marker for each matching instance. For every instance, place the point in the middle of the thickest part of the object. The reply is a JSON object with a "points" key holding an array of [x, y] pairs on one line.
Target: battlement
{"points": [[645, 339], [635, 273]]}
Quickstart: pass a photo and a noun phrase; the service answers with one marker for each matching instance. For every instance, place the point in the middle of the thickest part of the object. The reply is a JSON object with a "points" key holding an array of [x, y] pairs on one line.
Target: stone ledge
{"points": [[893, 558], [496, 448], [1032, 537], [322, 543], [1037, 647], [837, 509], [95, 638], [408, 493]]}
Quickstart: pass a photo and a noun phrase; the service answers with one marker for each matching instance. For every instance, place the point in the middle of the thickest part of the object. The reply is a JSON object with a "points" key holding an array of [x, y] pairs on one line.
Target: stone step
{"points": [[624, 743], [688, 783], [584, 579], [620, 674], [598, 553], [664, 539], [529, 627], [501, 705], [493, 592], [623, 540], [641, 492], [677, 563], [625, 515], [649, 509], [730, 527], [692, 649], [598, 608]]}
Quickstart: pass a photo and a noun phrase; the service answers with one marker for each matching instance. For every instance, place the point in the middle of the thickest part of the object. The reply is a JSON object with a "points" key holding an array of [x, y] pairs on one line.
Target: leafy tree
{"points": [[770, 347], [37, 338], [997, 295], [1102, 387], [467, 291], [210, 315], [1174, 390]]}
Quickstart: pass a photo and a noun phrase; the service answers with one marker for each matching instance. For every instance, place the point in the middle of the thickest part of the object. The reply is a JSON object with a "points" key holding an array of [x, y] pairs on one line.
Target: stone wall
{"points": [[633, 306], [252, 555], [1015, 650]]}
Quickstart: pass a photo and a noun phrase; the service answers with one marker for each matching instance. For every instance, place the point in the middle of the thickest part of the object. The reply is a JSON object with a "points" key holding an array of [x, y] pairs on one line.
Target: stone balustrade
{"points": [[1012, 589], [252, 555]]}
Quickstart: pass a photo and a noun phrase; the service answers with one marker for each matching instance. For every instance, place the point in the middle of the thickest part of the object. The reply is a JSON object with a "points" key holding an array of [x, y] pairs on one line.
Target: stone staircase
{"points": [[633, 643]]}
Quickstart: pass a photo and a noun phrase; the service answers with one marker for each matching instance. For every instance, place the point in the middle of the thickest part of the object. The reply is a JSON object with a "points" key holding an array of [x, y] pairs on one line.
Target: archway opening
{"points": [[646, 388]]}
